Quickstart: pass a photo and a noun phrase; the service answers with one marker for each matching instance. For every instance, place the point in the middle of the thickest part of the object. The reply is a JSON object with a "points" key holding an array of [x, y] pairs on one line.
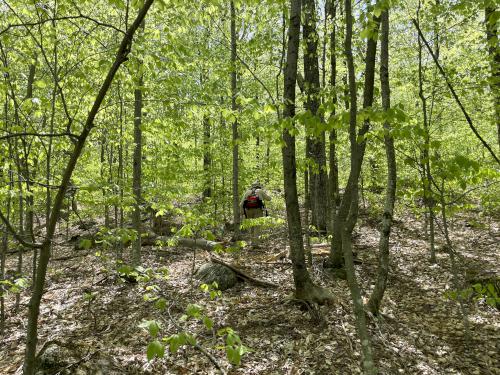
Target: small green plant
{"points": [[211, 289], [479, 291], [232, 345], [14, 286]]}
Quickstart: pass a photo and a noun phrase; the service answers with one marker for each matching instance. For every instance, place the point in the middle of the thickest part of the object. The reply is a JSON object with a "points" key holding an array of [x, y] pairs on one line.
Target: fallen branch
{"points": [[243, 275]]}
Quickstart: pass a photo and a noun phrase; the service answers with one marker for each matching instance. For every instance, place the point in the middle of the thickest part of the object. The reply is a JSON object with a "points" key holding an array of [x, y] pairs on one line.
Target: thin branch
{"points": [[453, 93], [17, 236], [64, 18], [26, 134]]}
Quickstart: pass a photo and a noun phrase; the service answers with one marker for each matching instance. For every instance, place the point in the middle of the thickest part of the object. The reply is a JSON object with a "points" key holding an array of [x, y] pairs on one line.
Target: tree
{"points": [[137, 160], [234, 107], [38, 287], [390, 195], [491, 21], [304, 287], [315, 142]]}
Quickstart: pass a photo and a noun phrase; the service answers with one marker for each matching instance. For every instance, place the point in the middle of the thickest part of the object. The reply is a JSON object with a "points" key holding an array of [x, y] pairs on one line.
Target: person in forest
{"points": [[253, 204]]}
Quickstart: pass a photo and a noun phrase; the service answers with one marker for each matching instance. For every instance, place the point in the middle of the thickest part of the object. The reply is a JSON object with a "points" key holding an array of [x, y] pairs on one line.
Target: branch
{"points": [[14, 135], [453, 93], [64, 18], [17, 236]]}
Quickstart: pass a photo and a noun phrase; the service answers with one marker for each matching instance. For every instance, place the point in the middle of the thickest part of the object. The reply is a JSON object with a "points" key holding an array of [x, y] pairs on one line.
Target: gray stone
{"points": [[222, 275]]}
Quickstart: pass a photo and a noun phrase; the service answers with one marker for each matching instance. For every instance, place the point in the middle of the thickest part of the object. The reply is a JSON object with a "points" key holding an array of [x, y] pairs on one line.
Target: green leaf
{"points": [[152, 326], [175, 342], [40, 84], [161, 304], [233, 355], [194, 310], [208, 322], [155, 348]]}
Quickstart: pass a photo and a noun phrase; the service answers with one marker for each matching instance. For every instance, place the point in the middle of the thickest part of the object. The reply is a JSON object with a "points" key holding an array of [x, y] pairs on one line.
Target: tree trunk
{"points": [[207, 160], [425, 163], [494, 54], [234, 107], [304, 287], [348, 210], [36, 296], [333, 178], [137, 162], [383, 261], [316, 143]]}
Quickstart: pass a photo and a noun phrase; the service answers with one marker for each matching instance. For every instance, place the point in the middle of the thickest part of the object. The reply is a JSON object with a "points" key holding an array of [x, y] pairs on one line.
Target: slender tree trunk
{"points": [[207, 159], [29, 196], [316, 142], [121, 182], [333, 178], [103, 178], [390, 198], [234, 107], [137, 170], [425, 164], [38, 287], [494, 54], [5, 243], [464, 312], [301, 276], [348, 210]]}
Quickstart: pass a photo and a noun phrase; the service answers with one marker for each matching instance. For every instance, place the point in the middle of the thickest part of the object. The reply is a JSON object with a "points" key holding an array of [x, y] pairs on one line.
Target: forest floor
{"points": [[420, 332]]}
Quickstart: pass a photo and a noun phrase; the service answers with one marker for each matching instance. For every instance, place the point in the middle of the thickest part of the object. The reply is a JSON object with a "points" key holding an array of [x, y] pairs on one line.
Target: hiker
{"points": [[253, 201], [254, 207]]}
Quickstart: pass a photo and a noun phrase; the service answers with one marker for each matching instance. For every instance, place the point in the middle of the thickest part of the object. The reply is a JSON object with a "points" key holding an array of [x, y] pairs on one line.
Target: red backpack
{"points": [[253, 200]]}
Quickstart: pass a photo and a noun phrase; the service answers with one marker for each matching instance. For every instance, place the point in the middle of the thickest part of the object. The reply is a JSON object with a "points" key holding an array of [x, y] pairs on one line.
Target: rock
{"points": [[223, 276], [53, 359]]}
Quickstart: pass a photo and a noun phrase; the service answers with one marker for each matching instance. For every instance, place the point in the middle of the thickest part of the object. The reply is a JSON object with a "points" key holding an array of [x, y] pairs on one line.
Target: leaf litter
{"points": [[95, 316]]}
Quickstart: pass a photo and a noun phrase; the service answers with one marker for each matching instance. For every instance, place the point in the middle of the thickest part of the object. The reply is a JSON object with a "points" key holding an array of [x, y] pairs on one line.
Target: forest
{"points": [[249, 187]]}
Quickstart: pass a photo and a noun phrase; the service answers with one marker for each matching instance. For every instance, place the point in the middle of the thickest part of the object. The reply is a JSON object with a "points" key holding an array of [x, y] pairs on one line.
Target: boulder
{"points": [[222, 275]]}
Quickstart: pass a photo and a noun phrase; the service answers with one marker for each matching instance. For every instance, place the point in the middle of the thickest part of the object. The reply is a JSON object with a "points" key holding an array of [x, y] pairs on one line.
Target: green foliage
{"points": [[15, 286], [212, 290], [487, 292], [233, 346]]}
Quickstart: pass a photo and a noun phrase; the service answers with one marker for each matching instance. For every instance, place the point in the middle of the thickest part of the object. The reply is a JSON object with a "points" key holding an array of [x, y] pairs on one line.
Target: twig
{"points": [[41, 22], [26, 134]]}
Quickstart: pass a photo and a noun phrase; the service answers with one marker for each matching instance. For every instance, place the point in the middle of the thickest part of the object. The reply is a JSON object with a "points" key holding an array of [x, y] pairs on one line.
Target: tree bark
{"points": [[315, 143], [425, 163], [304, 287], [207, 159], [348, 210], [333, 177], [494, 54], [38, 287], [383, 261], [137, 163], [234, 107]]}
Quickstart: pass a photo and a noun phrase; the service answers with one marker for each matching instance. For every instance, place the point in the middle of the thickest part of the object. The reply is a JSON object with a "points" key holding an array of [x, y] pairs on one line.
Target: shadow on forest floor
{"points": [[421, 332]]}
